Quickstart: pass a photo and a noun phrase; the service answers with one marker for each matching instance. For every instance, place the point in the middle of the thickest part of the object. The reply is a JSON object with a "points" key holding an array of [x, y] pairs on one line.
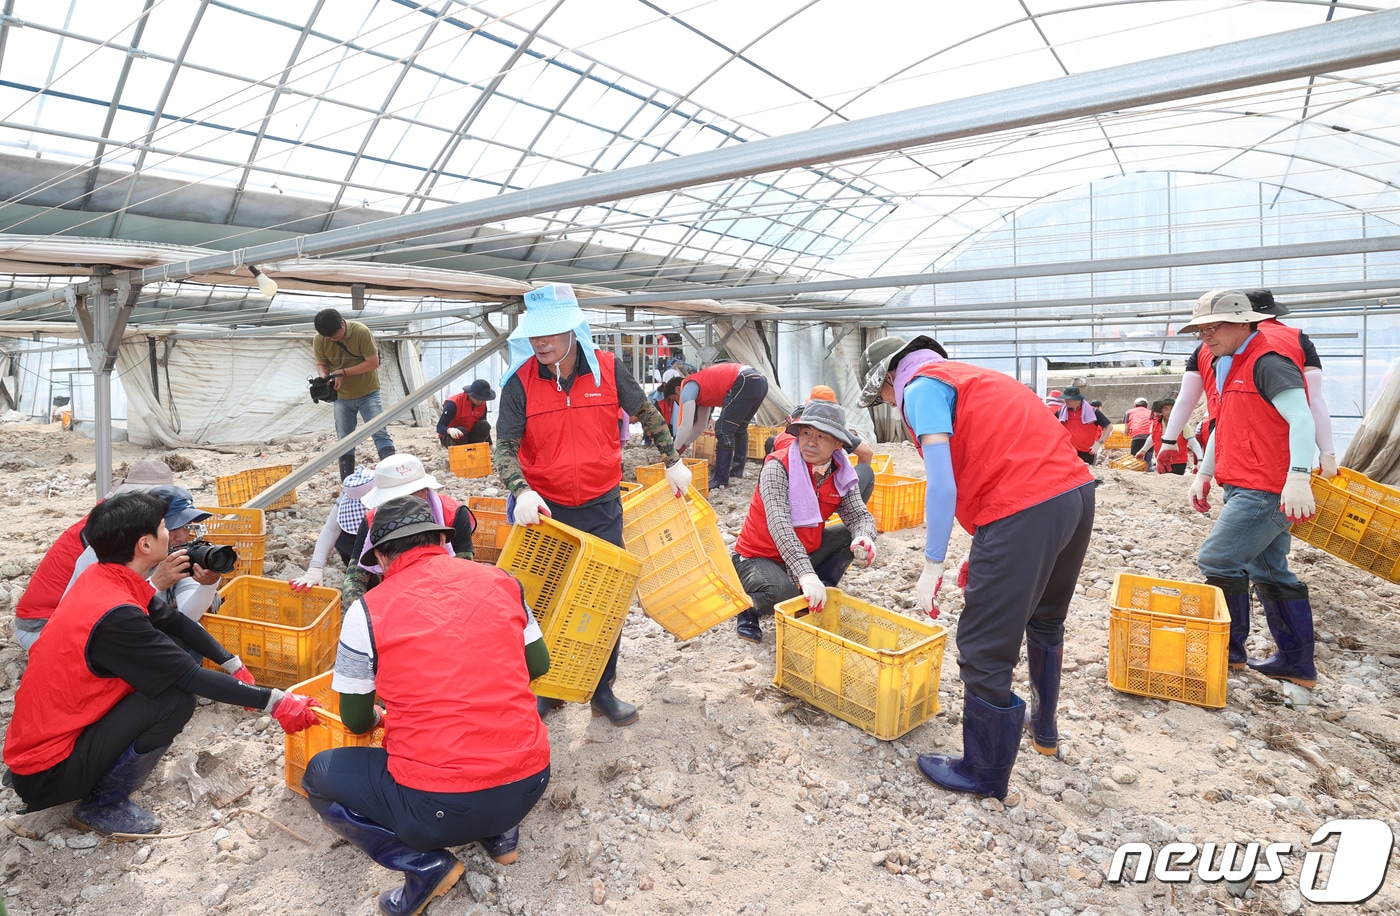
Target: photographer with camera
{"points": [[347, 359], [180, 580]]}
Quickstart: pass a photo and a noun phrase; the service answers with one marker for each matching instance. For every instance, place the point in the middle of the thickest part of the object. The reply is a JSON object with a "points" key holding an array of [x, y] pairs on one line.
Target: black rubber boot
{"points": [[109, 809], [386, 452], [1045, 663], [746, 625], [1289, 613], [991, 739], [1236, 590], [546, 704], [347, 465], [605, 703], [427, 875]]}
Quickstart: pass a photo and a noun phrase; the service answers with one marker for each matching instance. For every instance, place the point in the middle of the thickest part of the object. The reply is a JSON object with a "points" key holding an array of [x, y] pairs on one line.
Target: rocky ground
{"points": [[728, 796]]}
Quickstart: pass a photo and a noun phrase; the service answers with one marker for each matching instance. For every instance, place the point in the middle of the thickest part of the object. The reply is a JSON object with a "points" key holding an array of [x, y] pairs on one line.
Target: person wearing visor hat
{"points": [[785, 548], [1003, 466], [463, 419], [450, 649], [558, 451], [1261, 452]]}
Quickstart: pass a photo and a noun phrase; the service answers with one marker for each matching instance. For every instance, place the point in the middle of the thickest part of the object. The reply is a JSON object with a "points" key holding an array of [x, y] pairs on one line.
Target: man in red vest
{"points": [[1262, 452], [1086, 424], [450, 648], [558, 451], [1137, 423], [786, 548], [999, 463], [108, 688], [738, 391], [463, 418]]}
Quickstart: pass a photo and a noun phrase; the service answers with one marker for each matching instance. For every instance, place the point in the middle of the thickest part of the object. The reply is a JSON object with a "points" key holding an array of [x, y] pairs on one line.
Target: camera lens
{"points": [[218, 557]]}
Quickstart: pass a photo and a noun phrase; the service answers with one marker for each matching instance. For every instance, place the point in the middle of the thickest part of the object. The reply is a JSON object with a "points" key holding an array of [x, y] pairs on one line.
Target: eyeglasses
{"points": [[1208, 330]]}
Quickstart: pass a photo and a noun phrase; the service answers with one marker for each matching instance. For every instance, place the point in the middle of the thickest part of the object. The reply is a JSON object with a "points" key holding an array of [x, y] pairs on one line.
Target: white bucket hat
{"points": [[398, 475]]}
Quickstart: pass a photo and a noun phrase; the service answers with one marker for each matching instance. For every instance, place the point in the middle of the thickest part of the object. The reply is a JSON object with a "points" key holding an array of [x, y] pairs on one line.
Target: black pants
{"points": [[742, 401], [768, 583], [359, 778], [1020, 579], [480, 432], [1086, 457], [147, 722]]}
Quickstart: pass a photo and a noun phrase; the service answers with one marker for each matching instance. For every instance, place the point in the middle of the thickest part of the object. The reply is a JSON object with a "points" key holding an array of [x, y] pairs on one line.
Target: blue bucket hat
{"points": [[179, 507], [550, 310]]}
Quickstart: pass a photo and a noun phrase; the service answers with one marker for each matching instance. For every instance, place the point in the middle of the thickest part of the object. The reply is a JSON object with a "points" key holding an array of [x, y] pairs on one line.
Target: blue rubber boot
{"points": [[109, 809], [991, 739], [721, 467], [1289, 614], [746, 625], [502, 847], [1045, 663], [1236, 589], [427, 875]]}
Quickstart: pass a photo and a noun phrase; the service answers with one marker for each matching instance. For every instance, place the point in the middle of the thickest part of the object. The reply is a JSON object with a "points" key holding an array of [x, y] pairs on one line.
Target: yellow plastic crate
{"points": [[1117, 440], [492, 529], [683, 586], [580, 588], [283, 636], [245, 530], [869, 666], [1357, 520], [472, 460], [881, 464], [1128, 463], [1169, 640], [648, 474], [897, 502], [758, 436], [704, 447], [329, 733], [237, 489], [627, 486]]}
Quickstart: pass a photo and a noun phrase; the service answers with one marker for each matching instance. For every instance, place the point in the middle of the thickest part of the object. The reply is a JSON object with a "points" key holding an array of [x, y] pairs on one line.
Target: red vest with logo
{"points": [[1009, 453], [1139, 421], [1157, 430], [59, 696], [50, 580], [571, 452], [450, 668], [715, 382], [756, 541], [1251, 436], [450, 508], [1284, 339], [1081, 435], [467, 413]]}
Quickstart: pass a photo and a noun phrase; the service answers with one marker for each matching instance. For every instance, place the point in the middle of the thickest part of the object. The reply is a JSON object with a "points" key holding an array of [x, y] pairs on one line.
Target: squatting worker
{"points": [[996, 460], [1261, 452], [858, 447], [557, 448], [340, 530], [738, 391], [450, 648], [463, 419], [1087, 426], [1294, 344], [50, 580], [107, 688], [345, 354], [785, 547]]}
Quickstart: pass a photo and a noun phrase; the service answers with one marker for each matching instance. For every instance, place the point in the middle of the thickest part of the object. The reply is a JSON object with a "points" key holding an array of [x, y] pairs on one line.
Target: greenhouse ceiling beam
{"points": [[1357, 42]]}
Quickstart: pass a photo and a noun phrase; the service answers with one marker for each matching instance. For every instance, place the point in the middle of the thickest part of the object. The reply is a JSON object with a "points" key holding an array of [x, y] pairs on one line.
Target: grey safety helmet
{"points": [[881, 358]]}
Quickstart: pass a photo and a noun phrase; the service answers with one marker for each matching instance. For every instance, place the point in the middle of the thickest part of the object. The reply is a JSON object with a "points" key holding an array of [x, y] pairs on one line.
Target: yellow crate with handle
{"points": [[491, 530], [328, 732], [1168, 639], [1128, 463], [1357, 520], [648, 474], [897, 502], [284, 636], [237, 489], [472, 460]]}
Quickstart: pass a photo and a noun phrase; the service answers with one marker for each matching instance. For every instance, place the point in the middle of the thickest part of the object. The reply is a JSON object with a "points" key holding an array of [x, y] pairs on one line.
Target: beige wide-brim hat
{"points": [[1218, 305], [143, 475]]}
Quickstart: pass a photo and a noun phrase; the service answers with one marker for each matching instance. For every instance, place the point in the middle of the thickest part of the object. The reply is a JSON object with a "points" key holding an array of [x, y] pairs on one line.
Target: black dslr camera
{"points": [[323, 389], [218, 557]]}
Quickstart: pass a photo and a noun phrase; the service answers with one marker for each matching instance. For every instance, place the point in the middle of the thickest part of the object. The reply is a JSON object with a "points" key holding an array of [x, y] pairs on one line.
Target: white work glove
{"points": [[1297, 501], [679, 477], [930, 581], [1200, 489], [529, 506], [455, 433], [814, 591], [864, 547], [311, 577], [1329, 466]]}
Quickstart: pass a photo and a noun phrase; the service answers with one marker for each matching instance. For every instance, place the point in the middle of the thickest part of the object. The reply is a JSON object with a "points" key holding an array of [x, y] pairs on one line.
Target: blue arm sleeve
{"points": [[940, 499]]}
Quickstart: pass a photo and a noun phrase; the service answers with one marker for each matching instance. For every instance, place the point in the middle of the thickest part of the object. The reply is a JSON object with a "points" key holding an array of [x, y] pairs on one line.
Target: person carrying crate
{"points": [[450, 649], [785, 548], [1002, 465], [558, 452], [1261, 452], [108, 687]]}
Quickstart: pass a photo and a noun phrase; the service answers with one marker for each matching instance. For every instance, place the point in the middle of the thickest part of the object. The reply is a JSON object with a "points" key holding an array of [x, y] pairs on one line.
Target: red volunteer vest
{"points": [[1081, 435], [571, 452], [1157, 430], [50, 580], [1001, 460], [451, 672], [1284, 339], [1251, 444], [467, 413], [59, 696], [715, 382], [756, 541], [1139, 421]]}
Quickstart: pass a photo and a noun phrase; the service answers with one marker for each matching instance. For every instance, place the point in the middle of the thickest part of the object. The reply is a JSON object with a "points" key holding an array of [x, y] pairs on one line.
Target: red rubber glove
{"points": [[294, 712], [962, 576], [1200, 489], [1164, 462]]}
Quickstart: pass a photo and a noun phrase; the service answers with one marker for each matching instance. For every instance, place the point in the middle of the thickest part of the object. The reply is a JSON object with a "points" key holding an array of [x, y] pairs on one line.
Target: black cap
{"points": [[401, 517], [481, 390]]}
